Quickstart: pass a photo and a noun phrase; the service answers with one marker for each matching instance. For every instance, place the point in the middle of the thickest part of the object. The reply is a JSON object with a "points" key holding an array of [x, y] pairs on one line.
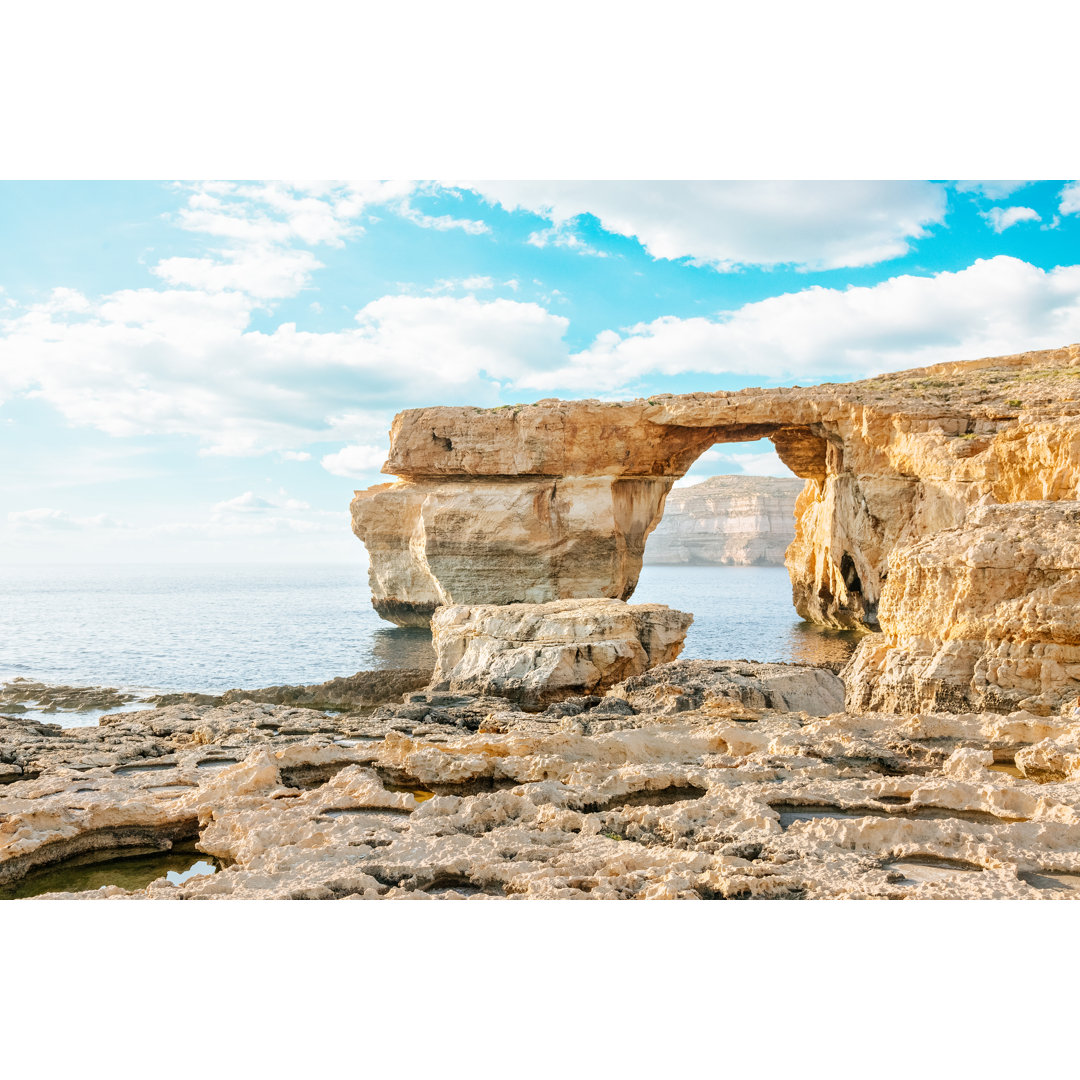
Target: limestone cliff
{"points": [[727, 521], [556, 500], [982, 617]]}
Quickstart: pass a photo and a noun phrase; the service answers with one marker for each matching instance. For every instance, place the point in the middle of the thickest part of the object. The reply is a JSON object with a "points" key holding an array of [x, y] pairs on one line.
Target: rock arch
{"points": [[555, 500]]}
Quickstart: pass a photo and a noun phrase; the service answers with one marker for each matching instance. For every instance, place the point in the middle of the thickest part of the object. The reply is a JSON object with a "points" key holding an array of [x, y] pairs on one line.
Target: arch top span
{"points": [[555, 500]]}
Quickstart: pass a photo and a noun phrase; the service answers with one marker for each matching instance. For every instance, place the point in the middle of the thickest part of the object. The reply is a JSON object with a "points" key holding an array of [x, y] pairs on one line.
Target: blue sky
{"points": [[206, 371]]}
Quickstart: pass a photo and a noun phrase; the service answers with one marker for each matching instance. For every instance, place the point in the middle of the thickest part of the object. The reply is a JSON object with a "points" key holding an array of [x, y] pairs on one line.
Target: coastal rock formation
{"points": [[538, 653], [615, 796], [496, 540], [555, 500], [690, 685], [727, 521], [981, 617]]}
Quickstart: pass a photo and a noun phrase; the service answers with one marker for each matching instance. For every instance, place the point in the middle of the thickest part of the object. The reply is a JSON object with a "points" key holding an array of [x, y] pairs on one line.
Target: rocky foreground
{"points": [[696, 779]]}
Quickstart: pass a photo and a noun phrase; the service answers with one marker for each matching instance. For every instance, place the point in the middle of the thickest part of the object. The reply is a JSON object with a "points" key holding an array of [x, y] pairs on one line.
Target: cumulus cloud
{"points": [[265, 214], [355, 460], [267, 229], [476, 283], [442, 222], [46, 519], [762, 463], [1070, 198], [184, 361], [262, 272], [991, 189], [995, 306], [815, 225], [251, 516], [1002, 218], [563, 235]]}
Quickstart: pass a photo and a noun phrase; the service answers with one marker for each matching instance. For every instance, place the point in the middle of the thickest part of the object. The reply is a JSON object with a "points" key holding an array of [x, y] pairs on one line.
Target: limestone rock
{"points": [[717, 801], [502, 541], [982, 617], [727, 521], [537, 653], [708, 684], [555, 500], [362, 690]]}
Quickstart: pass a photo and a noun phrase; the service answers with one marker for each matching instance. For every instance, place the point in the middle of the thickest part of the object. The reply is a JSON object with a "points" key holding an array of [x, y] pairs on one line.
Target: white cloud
{"points": [[267, 228], [816, 225], [476, 283], [995, 306], [1070, 198], [763, 463], [355, 461], [264, 214], [294, 455], [991, 189], [249, 503], [183, 361], [263, 272], [46, 519], [1002, 218], [442, 222], [563, 235]]}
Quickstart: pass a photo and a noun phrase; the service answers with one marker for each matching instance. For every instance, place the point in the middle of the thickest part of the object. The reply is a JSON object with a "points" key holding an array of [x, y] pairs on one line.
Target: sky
{"points": [[204, 372]]}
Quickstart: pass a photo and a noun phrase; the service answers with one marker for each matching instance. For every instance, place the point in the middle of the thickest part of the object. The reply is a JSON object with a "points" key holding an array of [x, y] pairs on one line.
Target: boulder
{"points": [[708, 684], [541, 653]]}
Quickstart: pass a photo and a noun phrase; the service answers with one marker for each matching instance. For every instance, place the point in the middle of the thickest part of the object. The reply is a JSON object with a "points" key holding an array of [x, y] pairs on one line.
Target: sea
{"points": [[211, 628]]}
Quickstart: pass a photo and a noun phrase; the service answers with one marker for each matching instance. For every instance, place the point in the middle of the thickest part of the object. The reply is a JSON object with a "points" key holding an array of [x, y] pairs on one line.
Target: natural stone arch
{"points": [[555, 500]]}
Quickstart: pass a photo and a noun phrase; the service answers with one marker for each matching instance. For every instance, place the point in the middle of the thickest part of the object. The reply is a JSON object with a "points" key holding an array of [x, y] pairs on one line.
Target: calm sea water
{"points": [[212, 628]]}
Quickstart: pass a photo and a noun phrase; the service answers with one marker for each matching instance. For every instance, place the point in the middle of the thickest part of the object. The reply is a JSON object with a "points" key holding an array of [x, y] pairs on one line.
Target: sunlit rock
{"points": [[982, 617], [537, 653]]}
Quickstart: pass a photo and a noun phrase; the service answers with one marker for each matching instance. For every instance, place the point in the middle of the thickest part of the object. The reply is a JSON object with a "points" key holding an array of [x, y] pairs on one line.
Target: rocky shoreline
{"points": [[695, 779], [560, 749]]}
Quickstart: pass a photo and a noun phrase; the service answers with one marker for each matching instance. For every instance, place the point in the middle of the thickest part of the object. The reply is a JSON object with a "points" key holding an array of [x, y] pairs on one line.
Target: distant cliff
{"points": [[727, 521]]}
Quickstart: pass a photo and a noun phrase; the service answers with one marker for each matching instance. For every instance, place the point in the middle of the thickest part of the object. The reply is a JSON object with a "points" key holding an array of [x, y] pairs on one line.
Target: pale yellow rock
{"points": [[984, 616], [587, 804], [500, 541], [539, 653], [555, 500]]}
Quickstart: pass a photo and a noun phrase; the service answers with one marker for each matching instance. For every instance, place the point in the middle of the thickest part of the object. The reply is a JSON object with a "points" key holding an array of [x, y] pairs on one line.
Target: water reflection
{"points": [[742, 613], [134, 868], [402, 647]]}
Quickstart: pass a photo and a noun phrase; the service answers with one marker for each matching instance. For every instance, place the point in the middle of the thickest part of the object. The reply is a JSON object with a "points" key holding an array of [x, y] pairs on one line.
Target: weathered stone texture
{"points": [[982, 617], [555, 500], [539, 653]]}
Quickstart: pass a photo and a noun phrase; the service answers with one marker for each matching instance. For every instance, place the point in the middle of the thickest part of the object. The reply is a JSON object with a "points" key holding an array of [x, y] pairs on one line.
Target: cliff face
{"points": [[985, 617], [727, 521], [556, 500]]}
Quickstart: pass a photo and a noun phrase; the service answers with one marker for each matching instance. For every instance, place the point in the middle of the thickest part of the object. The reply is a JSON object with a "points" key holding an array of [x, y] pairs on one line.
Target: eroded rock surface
{"points": [[555, 500], [984, 616], [690, 685], [538, 653], [614, 796], [726, 521]]}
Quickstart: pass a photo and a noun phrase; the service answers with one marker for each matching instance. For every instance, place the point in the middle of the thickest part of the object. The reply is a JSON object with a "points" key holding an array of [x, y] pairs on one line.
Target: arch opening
{"points": [[719, 549]]}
